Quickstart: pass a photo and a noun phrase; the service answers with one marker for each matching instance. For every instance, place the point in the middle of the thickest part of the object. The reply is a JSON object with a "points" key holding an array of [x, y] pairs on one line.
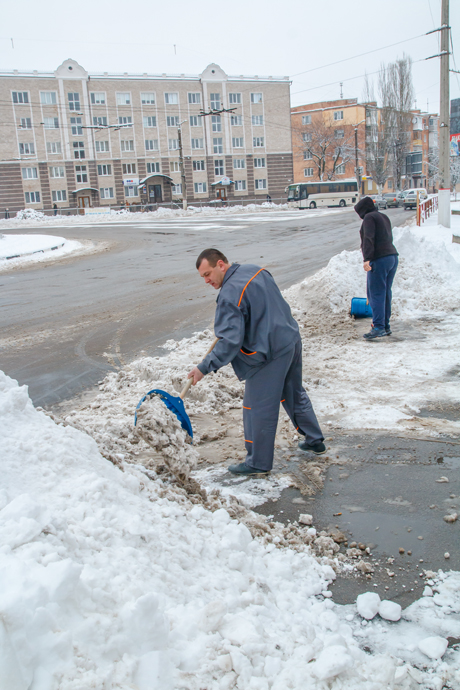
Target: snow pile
{"points": [[19, 250], [384, 384], [30, 214], [107, 583], [109, 418]]}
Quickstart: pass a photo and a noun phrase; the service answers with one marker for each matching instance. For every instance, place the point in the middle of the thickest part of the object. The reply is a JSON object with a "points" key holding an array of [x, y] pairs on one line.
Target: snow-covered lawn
{"points": [[112, 577]]}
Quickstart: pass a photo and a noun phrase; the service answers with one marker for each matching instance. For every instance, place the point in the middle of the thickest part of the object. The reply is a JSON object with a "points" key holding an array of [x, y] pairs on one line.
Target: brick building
{"points": [[74, 139]]}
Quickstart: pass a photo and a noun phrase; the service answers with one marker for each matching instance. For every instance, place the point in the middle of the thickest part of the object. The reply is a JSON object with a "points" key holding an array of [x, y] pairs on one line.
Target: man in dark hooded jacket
{"points": [[380, 262]]}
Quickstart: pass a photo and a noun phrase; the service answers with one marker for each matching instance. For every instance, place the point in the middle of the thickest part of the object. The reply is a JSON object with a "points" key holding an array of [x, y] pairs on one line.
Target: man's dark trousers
{"points": [[379, 282], [278, 381]]}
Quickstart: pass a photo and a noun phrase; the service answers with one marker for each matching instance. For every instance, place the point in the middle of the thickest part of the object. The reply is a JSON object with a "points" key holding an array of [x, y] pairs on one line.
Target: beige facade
{"points": [[73, 139]]}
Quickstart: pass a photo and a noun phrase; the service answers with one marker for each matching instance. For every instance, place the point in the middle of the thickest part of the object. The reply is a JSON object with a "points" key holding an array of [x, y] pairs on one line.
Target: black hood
{"points": [[364, 205]]}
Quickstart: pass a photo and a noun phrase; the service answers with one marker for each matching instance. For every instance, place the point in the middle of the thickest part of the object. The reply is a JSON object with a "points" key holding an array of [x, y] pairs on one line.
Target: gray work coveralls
{"points": [[260, 338]]}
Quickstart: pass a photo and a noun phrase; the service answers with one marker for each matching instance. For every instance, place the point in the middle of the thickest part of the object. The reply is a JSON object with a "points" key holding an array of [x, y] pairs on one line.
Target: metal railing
{"points": [[426, 208]]}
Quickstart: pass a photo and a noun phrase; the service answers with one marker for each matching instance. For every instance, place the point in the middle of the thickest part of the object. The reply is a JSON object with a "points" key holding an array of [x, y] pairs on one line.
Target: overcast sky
{"points": [[297, 38]]}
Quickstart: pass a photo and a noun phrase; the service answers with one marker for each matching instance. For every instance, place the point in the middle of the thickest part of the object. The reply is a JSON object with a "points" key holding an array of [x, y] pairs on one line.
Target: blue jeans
{"points": [[379, 282]]}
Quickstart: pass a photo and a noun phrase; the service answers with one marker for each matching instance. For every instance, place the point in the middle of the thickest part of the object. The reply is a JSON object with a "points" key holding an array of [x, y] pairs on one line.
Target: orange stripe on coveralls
{"points": [[261, 269], [246, 441], [247, 408], [284, 400], [248, 353]]}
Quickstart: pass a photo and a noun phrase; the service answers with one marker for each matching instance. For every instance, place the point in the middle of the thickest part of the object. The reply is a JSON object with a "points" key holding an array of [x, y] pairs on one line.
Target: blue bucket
{"points": [[360, 308]]}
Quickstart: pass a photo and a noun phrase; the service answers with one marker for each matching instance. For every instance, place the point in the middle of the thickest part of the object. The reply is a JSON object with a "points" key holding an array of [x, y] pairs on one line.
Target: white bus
{"points": [[331, 193]]}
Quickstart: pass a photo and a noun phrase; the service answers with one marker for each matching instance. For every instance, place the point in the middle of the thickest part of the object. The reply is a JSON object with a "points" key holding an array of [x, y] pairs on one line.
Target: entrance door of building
{"points": [[83, 202], [221, 193], [155, 195]]}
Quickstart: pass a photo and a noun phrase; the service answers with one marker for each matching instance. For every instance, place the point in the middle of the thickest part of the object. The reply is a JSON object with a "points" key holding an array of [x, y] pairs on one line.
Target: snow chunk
{"points": [[368, 604], [390, 610], [331, 662], [434, 647]]}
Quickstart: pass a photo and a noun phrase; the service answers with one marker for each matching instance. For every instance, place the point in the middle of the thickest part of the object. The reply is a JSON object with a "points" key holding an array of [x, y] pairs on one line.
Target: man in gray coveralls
{"points": [[260, 338]]}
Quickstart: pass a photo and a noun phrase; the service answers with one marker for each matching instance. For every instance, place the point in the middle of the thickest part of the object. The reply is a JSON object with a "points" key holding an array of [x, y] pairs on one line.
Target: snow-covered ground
{"points": [[112, 577]]}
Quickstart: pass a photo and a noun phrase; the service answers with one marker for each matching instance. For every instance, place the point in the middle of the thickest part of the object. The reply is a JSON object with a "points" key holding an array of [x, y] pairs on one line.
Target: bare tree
{"points": [[388, 127], [326, 145]]}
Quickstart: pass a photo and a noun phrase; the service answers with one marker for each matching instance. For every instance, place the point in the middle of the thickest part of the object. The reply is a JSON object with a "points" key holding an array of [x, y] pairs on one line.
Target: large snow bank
{"points": [[107, 580]]}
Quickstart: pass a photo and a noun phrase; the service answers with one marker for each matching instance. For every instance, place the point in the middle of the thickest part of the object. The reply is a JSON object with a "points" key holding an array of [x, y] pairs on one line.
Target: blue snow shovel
{"points": [[175, 403]]}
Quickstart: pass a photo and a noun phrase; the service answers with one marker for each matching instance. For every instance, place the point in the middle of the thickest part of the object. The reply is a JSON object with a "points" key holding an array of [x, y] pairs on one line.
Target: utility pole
{"points": [[358, 168], [182, 168], [444, 135]]}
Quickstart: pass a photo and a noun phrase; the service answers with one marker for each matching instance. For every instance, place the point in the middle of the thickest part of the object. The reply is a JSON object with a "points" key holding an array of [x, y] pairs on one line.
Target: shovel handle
{"points": [[189, 383]]}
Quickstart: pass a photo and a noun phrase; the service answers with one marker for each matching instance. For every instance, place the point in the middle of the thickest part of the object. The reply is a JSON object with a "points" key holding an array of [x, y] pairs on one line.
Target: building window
{"points": [[25, 123], [260, 184], [80, 174], [340, 169], [216, 123], [123, 99], [238, 142], [153, 167], [79, 149], [106, 192], [234, 98], [171, 98], [194, 97], [127, 145], [99, 121], [338, 115], [48, 97], [256, 98], [259, 162], [102, 146], [218, 167], [53, 147], [200, 187], [174, 166], [98, 98], [129, 168], [307, 155], [215, 101], [173, 144], [29, 174], [239, 163], [59, 195], [236, 120], [172, 121], [57, 172], [151, 144], [77, 129], [195, 121], [27, 149], [197, 144], [150, 121], [176, 189], [258, 142], [148, 98], [257, 120], [306, 119], [32, 197], [128, 120], [21, 96], [390, 183], [104, 169], [306, 136], [198, 165], [131, 190], [217, 145], [74, 101], [339, 133], [308, 172], [240, 185]]}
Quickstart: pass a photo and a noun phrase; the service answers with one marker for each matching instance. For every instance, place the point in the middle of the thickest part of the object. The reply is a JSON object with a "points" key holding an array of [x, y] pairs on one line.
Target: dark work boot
{"points": [[374, 333], [318, 447], [247, 471]]}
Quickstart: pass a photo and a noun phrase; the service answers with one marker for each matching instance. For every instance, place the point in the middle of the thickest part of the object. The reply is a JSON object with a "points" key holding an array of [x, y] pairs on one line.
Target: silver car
{"points": [[379, 201]]}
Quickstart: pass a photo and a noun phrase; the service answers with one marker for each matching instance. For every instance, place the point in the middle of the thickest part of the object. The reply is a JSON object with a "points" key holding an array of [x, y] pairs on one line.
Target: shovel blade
{"points": [[173, 403]]}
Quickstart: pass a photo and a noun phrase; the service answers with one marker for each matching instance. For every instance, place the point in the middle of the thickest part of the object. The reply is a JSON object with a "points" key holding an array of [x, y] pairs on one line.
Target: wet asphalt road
{"points": [[66, 324]]}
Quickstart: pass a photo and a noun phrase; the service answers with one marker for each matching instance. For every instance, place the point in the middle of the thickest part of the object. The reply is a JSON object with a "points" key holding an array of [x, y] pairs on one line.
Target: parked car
{"points": [[410, 197], [392, 199], [379, 201]]}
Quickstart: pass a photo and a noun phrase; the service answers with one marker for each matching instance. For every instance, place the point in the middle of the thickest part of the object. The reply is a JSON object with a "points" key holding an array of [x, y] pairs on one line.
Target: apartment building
{"points": [[76, 139], [338, 127]]}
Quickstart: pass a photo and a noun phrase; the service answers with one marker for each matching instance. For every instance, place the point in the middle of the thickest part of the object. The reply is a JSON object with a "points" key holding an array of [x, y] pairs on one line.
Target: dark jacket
{"points": [[253, 322], [376, 235]]}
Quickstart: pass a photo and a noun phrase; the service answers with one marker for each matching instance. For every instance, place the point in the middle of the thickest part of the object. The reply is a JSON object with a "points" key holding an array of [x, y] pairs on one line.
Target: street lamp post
{"points": [[358, 169]]}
